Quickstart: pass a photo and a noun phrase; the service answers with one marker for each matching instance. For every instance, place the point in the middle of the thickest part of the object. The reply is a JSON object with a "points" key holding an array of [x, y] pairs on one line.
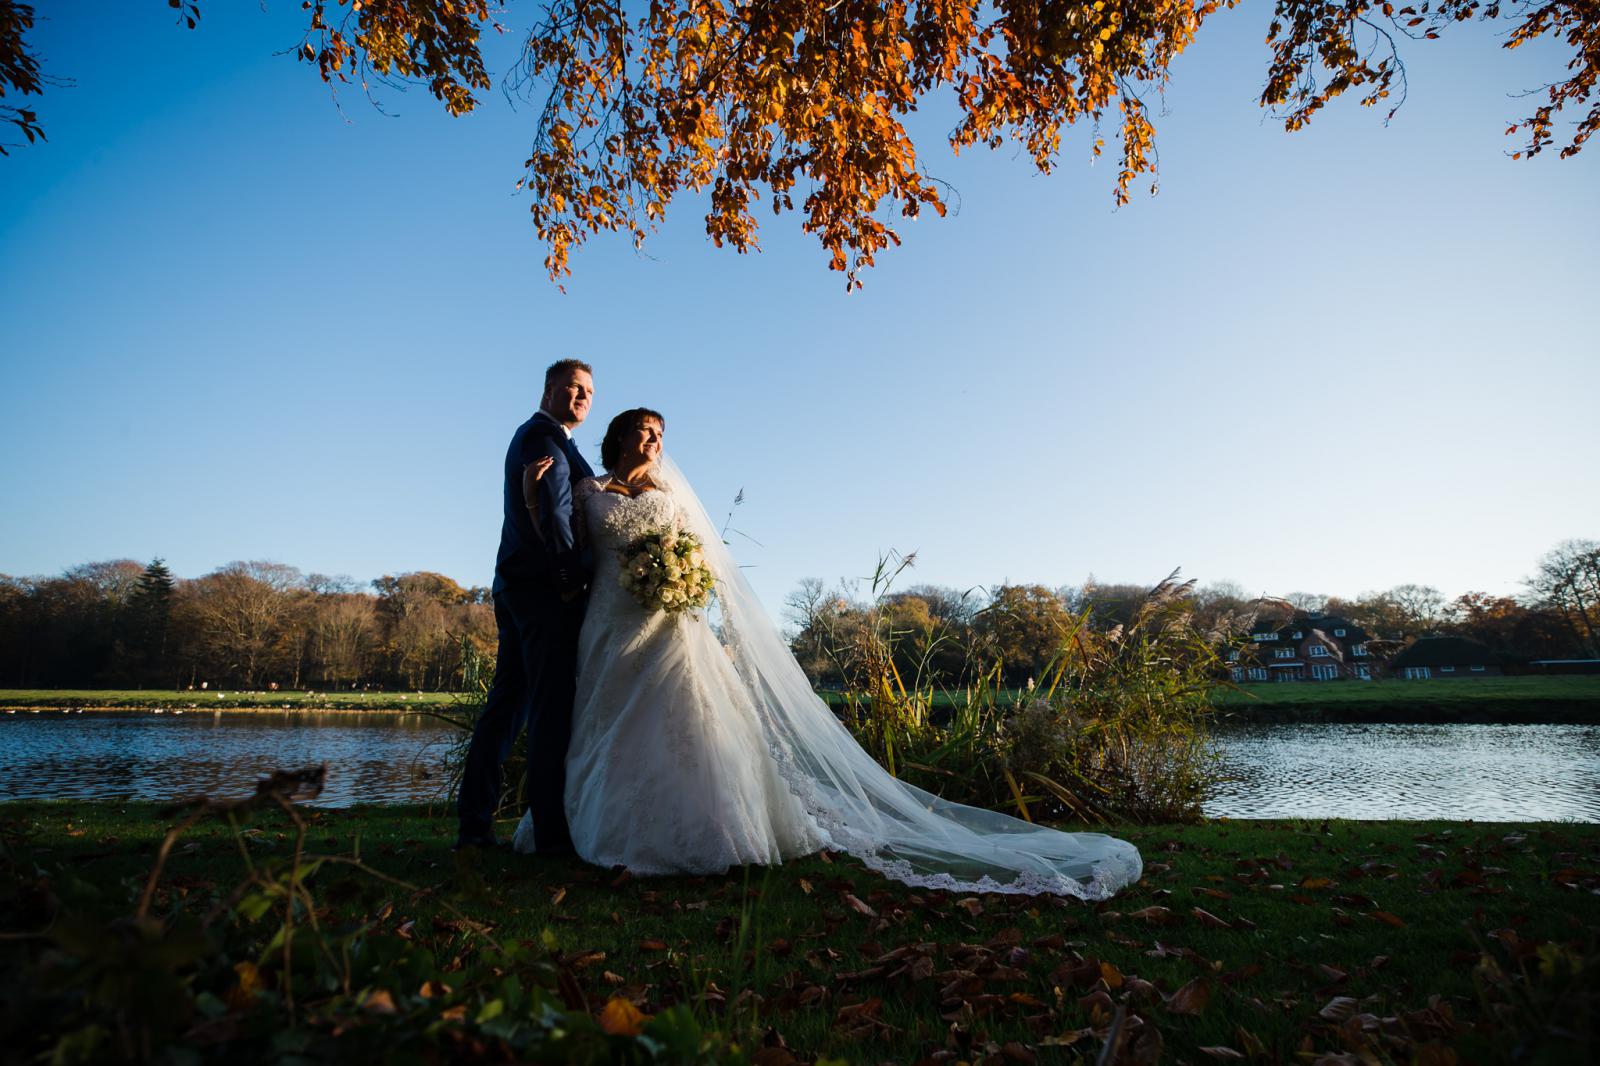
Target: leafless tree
{"points": [[1568, 580]]}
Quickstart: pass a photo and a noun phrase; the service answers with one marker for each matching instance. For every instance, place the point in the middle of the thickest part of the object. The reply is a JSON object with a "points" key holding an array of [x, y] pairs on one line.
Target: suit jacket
{"points": [[550, 559]]}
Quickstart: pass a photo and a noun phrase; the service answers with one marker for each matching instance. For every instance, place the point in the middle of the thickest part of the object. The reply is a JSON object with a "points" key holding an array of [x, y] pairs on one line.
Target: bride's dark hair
{"points": [[611, 446]]}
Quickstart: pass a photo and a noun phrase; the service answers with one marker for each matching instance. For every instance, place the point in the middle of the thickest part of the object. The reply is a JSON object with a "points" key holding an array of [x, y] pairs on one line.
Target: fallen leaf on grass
{"points": [[1016, 1052], [560, 894], [621, 1018], [652, 945], [1388, 919], [379, 1001], [972, 905], [1252, 1043], [1338, 1009], [1154, 915], [1191, 998], [1207, 918], [1224, 1053], [858, 906]]}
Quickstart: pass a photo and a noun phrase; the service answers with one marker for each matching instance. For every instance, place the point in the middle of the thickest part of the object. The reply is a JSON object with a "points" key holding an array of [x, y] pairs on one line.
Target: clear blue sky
{"points": [[238, 321]]}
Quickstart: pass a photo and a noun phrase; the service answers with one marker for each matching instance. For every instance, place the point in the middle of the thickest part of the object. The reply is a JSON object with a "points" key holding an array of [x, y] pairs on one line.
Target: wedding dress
{"points": [[699, 744]]}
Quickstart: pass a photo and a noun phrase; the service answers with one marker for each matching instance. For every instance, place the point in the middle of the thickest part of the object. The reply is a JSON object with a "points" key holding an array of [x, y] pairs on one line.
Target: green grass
{"points": [[1438, 693], [149, 699], [1464, 692], [1394, 916]]}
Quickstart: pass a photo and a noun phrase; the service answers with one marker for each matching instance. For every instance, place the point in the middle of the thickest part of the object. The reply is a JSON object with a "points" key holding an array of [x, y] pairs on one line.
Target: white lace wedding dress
{"points": [[698, 744]]}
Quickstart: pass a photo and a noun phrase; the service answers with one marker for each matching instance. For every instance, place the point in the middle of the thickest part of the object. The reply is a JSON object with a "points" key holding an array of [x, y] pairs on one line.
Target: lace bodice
{"points": [[614, 520]]}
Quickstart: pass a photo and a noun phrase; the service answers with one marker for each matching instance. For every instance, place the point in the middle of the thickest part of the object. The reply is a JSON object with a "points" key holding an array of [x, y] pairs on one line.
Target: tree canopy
{"points": [[774, 100]]}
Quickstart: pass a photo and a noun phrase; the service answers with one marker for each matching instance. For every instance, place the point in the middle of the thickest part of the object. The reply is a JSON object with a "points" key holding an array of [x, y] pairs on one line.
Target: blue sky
{"points": [[240, 321]]}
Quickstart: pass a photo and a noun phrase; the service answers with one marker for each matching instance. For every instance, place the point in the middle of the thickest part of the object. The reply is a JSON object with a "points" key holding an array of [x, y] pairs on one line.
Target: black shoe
{"points": [[475, 840]]}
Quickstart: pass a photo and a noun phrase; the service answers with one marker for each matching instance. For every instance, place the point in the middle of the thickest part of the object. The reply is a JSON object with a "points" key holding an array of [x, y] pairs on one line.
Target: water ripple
{"points": [[1482, 772], [1299, 770]]}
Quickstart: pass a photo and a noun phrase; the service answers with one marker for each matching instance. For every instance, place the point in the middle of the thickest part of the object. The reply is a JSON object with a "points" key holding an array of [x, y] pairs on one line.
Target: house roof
{"points": [[1353, 634], [1444, 651]]}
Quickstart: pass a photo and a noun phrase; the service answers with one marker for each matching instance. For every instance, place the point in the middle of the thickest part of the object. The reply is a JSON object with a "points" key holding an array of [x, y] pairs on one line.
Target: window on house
{"points": [[1236, 674], [1447, 669], [1358, 649], [1478, 669], [1263, 636], [1298, 634], [1233, 656], [1362, 671], [1258, 673], [1283, 653], [1324, 672], [1415, 673], [1338, 632], [1318, 651]]}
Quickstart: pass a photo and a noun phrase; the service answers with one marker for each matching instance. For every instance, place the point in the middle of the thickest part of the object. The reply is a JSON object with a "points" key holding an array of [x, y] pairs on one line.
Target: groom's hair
{"points": [[563, 366], [611, 447]]}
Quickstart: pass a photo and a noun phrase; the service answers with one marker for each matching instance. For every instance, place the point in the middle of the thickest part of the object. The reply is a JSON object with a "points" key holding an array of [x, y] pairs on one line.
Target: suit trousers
{"points": [[535, 683]]}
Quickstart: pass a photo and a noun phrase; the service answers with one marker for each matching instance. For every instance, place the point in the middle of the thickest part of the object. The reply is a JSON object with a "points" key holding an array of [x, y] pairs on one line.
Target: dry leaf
{"points": [[1191, 998], [619, 1017], [1338, 1009]]}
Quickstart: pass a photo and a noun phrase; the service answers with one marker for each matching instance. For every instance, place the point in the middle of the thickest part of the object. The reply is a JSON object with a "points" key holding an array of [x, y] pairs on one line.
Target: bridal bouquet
{"points": [[665, 570]]}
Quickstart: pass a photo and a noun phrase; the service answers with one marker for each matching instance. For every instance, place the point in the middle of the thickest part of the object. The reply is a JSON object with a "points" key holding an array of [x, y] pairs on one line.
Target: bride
{"points": [[698, 743]]}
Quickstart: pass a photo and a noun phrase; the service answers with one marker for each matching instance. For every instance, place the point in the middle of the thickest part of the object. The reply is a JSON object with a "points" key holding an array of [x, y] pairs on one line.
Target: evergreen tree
{"points": [[150, 609]]}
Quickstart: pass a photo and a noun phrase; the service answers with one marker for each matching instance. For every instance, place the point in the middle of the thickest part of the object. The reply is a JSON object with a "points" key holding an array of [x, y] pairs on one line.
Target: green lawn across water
{"points": [[224, 699], [1280, 941], [1465, 693], [1511, 693]]}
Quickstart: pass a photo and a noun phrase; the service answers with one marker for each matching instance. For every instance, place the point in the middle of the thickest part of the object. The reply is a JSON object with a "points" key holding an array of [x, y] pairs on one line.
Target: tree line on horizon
{"points": [[247, 625], [943, 637], [255, 625]]}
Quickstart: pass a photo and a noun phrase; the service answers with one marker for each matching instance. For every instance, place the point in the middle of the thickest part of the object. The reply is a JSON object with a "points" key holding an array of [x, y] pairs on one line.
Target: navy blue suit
{"points": [[540, 581]]}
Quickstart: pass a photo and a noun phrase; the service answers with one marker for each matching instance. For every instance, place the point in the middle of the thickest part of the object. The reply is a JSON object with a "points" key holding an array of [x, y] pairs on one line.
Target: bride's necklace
{"points": [[626, 487]]}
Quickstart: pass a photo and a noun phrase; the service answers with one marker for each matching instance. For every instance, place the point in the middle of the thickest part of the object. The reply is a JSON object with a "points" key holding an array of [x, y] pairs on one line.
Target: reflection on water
{"points": [[1482, 772], [1298, 770], [379, 758]]}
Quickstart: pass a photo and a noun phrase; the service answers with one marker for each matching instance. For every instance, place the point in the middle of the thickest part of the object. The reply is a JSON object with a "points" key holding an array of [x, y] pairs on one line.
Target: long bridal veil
{"points": [[895, 828]]}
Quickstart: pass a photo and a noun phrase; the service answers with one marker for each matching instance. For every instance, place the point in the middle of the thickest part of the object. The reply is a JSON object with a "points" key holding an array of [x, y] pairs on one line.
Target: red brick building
{"points": [[1315, 648]]}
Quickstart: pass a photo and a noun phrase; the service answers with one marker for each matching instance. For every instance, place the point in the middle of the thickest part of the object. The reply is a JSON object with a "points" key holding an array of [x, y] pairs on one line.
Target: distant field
{"points": [[1532, 693], [149, 699], [1462, 691]]}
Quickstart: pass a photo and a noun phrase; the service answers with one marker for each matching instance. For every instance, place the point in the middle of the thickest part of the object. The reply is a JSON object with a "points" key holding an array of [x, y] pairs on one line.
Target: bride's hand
{"points": [[536, 470], [530, 487]]}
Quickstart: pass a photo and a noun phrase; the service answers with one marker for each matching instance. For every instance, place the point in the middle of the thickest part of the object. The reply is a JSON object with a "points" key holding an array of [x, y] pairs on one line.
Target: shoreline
{"points": [[1513, 712]]}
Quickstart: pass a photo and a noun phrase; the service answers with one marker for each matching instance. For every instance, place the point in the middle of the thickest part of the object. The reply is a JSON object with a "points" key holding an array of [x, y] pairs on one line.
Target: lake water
{"points": [[1300, 770]]}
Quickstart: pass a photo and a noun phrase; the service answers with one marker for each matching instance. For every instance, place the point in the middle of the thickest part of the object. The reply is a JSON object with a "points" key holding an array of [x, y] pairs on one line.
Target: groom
{"points": [[540, 588]]}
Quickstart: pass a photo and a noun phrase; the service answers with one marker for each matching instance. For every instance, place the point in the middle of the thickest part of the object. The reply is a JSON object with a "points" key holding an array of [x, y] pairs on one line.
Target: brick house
{"points": [[1312, 648], [1444, 657]]}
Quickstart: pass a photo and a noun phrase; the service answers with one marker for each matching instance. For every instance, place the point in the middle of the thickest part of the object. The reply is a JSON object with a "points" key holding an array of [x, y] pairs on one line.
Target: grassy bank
{"points": [[1275, 940], [166, 699], [1500, 698], [1503, 695]]}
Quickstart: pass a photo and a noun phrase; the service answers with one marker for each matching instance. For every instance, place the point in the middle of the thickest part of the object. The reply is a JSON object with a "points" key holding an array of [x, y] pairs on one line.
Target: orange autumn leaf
{"points": [[619, 1017]]}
